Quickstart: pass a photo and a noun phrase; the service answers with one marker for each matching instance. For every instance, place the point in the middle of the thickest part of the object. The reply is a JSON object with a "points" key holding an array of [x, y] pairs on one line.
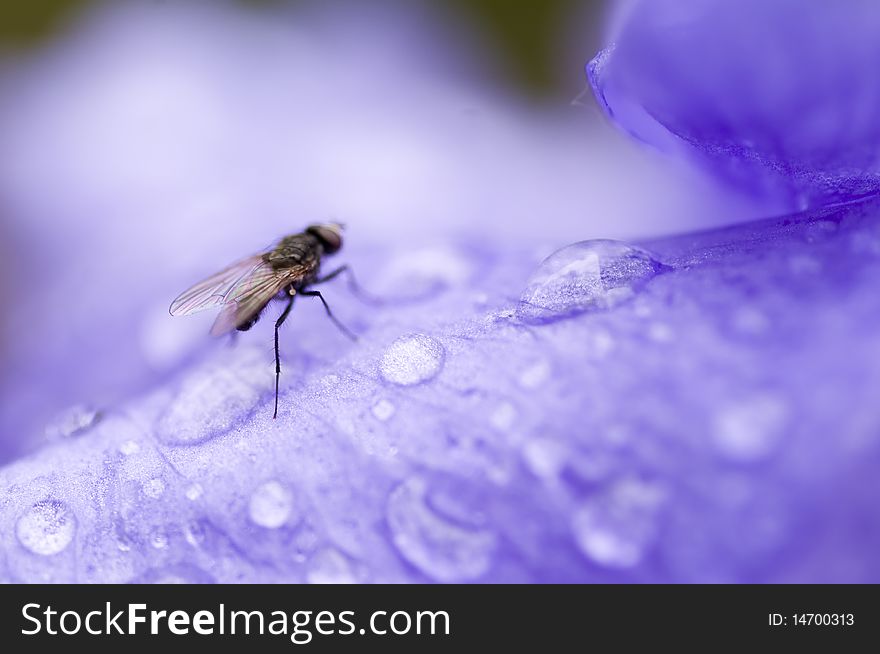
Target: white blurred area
{"points": [[155, 142], [211, 122]]}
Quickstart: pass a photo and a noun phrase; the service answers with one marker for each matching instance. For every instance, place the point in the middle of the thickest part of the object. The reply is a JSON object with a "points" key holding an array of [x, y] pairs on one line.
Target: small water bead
{"points": [[159, 539], [304, 542], [750, 430], [383, 410], [615, 529], [73, 421], [47, 528], [660, 332], [442, 549], [271, 505], [195, 533], [585, 276], [194, 492], [535, 375], [329, 566], [412, 359], [504, 416], [422, 273], [545, 458]]}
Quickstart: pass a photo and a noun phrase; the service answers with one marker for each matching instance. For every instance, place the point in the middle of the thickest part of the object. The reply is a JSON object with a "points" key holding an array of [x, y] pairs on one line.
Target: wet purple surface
{"points": [[688, 408], [717, 424]]}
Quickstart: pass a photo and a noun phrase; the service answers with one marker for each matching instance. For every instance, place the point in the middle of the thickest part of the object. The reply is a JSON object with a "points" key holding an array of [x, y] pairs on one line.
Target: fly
{"points": [[246, 287]]}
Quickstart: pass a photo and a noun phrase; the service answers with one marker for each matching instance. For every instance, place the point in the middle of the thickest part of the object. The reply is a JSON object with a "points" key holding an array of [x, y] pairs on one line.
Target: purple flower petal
{"points": [[777, 97], [716, 422]]}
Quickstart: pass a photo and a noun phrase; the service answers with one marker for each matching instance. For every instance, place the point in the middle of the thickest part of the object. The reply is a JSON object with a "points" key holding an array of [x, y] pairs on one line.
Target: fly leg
{"points": [[278, 324], [345, 330], [353, 286]]}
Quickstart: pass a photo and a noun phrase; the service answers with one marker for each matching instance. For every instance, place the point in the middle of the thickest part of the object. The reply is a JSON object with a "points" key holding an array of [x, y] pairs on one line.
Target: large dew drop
{"points": [[47, 528], [442, 549], [412, 359], [585, 276], [271, 505]]}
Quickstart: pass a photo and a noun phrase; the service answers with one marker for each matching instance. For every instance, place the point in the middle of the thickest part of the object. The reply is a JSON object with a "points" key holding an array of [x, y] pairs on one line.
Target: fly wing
{"points": [[215, 290], [252, 293]]}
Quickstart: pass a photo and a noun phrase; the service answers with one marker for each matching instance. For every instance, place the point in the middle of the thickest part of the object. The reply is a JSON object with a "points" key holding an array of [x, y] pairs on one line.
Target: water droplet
{"points": [[73, 422], [383, 410], [271, 505], [750, 430], [125, 540], [412, 359], [329, 566], [660, 332], [47, 528], [154, 488], [195, 533], [422, 273], [585, 276], [437, 546], [535, 375], [544, 457], [194, 492], [615, 529], [304, 542], [504, 416], [159, 539], [129, 447]]}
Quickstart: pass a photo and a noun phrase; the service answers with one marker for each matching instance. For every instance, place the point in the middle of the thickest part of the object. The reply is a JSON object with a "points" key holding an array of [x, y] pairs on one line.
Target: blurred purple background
{"points": [[697, 427]]}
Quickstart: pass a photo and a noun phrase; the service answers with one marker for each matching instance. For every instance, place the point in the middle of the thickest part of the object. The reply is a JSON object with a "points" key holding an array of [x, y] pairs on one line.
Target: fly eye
{"points": [[329, 235]]}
